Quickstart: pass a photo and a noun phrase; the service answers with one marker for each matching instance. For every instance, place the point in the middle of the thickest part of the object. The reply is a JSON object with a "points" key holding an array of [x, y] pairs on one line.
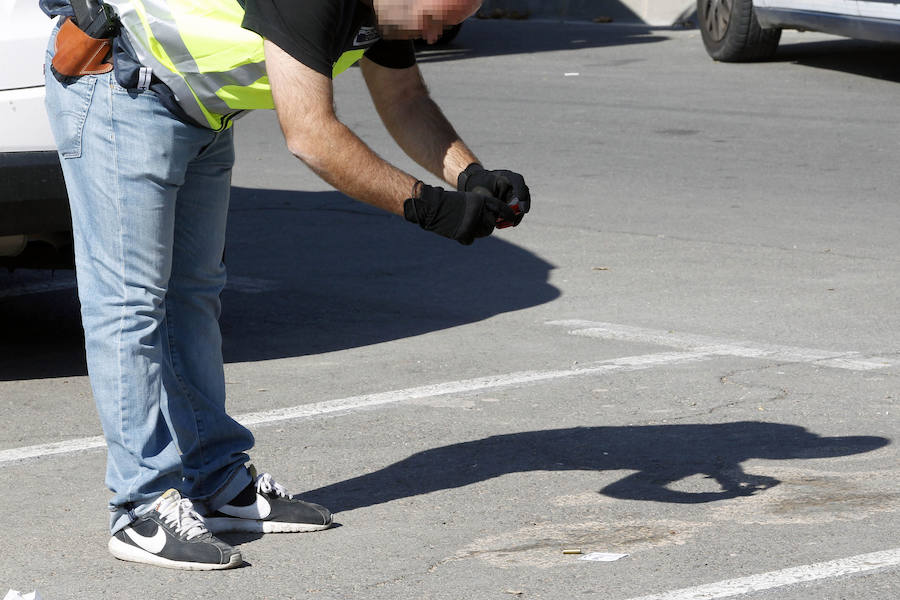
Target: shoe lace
{"points": [[266, 484], [181, 516]]}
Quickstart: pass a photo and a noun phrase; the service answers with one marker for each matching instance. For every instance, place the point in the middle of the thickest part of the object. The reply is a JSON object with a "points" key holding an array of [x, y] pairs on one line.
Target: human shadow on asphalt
{"points": [[318, 272], [310, 272], [855, 57], [660, 455]]}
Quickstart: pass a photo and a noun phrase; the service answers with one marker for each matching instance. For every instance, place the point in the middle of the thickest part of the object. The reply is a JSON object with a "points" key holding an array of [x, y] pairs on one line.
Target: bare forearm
{"points": [[416, 122], [425, 135], [339, 157], [304, 102]]}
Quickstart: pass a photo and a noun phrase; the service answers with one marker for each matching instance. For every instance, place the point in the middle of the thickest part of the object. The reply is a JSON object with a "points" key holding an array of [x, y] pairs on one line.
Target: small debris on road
{"points": [[602, 556]]}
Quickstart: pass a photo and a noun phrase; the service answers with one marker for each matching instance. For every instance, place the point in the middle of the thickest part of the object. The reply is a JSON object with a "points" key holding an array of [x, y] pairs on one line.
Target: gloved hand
{"points": [[460, 216], [506, 185]]}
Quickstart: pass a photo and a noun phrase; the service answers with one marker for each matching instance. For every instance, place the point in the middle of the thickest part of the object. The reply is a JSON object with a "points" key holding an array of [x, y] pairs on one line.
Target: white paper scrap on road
{"points": [[16, 595], [602, 556]]}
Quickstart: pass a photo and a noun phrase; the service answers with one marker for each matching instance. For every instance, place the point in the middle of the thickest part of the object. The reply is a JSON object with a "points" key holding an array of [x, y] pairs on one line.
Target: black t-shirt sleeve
{"points": [[316, 32], [395, 54], [305, 30]]}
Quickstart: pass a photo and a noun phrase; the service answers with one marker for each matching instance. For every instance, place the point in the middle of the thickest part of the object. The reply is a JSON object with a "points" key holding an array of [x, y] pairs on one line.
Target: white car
{"points": [[35, 224], [741, 30]]}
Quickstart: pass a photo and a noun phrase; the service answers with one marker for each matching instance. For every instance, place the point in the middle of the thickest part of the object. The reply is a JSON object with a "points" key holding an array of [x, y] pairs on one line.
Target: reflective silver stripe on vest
{"points": [[204, 85], [189, 77], [241, 76], [134, 28]]}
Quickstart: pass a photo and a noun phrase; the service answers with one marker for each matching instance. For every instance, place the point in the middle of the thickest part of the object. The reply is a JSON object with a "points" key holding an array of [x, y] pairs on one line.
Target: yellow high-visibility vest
{"points": [[215, 68]]}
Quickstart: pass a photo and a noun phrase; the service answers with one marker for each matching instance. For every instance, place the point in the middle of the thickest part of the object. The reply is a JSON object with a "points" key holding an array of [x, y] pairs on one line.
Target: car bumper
{"points": [[32, 194]]}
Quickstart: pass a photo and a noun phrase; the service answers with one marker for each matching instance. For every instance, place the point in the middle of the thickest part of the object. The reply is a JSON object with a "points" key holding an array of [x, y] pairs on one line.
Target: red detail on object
{"points": [[517, 208]]}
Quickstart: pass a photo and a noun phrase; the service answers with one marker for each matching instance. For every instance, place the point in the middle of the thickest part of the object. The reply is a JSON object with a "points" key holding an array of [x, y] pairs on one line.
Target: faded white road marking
{"points": [[775, 579], [696, 347], [628, 363], [700, 343], [40, 450]]}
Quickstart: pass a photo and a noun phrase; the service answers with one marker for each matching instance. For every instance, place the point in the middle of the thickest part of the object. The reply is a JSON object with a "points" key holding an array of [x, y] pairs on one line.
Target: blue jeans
{"points": [[149, 197]]}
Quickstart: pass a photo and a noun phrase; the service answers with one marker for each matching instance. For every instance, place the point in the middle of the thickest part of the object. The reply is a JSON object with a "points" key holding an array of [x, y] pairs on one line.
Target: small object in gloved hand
{"points": [[505, 185]]}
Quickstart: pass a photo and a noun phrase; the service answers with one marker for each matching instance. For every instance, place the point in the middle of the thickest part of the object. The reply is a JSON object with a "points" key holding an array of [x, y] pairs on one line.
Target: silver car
{"points": [[743, 30]]}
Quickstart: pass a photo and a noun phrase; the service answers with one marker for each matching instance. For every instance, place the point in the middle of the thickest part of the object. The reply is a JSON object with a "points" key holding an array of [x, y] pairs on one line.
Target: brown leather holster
{"points": [[79, 54]]}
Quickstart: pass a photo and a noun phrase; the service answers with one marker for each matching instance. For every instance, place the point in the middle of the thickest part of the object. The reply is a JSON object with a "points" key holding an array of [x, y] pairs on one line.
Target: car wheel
{"points": [[731, 32]]}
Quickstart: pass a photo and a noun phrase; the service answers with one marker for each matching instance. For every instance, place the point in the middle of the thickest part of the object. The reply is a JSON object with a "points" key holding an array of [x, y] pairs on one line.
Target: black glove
{"points": [[506, 185], [460, 216]]}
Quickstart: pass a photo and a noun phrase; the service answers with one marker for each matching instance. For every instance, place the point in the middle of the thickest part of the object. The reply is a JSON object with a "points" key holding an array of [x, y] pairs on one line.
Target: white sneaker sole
{"points": [[124, 551], [227, 525]]}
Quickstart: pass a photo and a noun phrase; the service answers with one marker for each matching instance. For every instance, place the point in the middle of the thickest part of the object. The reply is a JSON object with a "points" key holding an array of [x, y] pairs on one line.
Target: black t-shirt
{"points": [[318, 32]]}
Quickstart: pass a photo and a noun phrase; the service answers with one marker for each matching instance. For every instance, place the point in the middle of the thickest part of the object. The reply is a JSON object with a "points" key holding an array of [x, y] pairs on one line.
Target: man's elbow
{"points": [[310, 135], [305, 139], [305, 150]]}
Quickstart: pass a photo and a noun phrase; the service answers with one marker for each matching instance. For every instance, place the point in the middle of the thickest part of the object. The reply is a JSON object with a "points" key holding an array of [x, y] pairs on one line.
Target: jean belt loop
{"points": [[144, 76]]}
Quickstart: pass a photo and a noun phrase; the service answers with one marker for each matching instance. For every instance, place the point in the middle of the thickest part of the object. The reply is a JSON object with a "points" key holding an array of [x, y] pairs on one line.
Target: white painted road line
{"points": [[695, 348], [776, 579], [700, 343], [41, 450], [628, 363]]}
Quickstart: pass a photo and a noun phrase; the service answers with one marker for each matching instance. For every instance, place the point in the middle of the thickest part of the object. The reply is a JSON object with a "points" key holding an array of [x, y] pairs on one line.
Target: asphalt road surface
{"points": [[687, 354]]}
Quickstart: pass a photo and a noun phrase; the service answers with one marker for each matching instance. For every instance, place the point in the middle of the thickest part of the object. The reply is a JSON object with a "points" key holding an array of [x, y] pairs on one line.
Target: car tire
{"points": [[732, 33]]}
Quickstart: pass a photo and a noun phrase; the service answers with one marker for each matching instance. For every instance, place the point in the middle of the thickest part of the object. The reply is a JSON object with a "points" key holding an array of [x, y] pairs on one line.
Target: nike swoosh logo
{"points": [[258, 510], [153, 544]]}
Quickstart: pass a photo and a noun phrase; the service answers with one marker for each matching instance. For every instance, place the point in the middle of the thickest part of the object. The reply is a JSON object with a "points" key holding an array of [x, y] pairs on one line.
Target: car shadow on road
{"points": [[309, 272], [40, 329], [480, 38], [855, 57], [660, 455]]}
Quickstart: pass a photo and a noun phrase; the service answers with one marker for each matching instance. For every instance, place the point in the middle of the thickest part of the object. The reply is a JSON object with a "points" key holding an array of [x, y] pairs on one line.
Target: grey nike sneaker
{"points": [[264, 506], [171, 534]]}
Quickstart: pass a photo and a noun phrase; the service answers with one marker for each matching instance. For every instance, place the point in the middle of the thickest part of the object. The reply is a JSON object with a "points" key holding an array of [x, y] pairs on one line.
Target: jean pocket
{"points": [[70, 119]]}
